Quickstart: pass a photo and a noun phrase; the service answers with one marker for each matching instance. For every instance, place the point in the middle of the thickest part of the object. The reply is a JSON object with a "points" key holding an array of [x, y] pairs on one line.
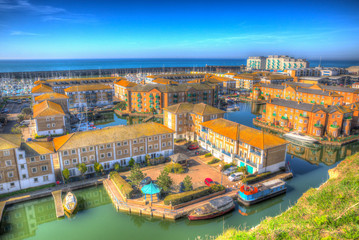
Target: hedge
{"points": [[256, 178], [179, 198], [208, 155], [213, 161], [124, 187], [174, 168]]}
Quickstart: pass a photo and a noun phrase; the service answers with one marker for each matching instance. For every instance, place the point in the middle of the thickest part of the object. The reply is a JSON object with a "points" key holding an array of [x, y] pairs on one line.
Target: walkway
{"points": [[2, 207], [58, 203]]}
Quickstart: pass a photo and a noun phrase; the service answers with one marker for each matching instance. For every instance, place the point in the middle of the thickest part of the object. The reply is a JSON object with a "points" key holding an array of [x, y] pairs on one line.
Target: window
{"points": [[92, 158], [169, 144], [66, 153], [73, 151], [8, 163], [44, 168], [156, 137], [164, 144], [102, 155], [125, 143], [74, 161], [102, 147], [119, 152], [125, 151], [108, 146], [109, 154], [134, 141], [169, 135], [22, 166], [83, 149], [53, 125], [150, 147], [141, 140], [135, 150], [163, 136], [36, 180], [118, 144], [48, 125], [150, 139], [91, 148], [141, 149], [6, 153], [106, 165], [67, 162], [45, 178], [156, 146], [47, 119], [24, 176], [34, 170], [42, 157]]}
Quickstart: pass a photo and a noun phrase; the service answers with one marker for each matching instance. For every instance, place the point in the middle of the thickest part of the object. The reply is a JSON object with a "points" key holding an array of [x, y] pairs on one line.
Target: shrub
{"points": [[174, 168], [177, 140], [225, 166], [179, 198], [131, 163], [122, 186], [217, 188], [213, 161], [251, 178], [208, 155], [242, 169], [187, 184]]}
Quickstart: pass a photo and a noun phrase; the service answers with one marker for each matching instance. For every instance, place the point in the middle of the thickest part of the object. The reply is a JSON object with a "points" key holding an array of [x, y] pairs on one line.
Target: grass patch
{"points": [[208, 155], [213, 161], [330, 212], [174, 168], [27, 190]]}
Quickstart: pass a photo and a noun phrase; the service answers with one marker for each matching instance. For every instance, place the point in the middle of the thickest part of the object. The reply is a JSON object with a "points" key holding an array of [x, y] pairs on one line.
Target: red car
{"points": [[193, 147], [209, 182]]}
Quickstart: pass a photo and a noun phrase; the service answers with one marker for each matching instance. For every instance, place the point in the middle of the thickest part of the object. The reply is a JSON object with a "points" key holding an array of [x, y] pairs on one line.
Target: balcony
{"points": [[256, 152], [201, 139], [318, 125], [227, 153], [334, 126], [204, 130]]}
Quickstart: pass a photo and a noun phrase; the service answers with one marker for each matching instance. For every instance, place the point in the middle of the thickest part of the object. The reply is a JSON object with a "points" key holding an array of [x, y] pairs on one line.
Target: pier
{"points": [[58, 203]]}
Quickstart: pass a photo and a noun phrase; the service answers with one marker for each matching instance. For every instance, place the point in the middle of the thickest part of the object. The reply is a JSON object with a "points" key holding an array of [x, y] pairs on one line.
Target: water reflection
{"points": [[112, 119], [22, 220]]}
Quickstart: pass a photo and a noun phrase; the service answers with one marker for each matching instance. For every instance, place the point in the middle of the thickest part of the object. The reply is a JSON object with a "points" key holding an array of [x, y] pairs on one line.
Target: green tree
{"points": [[136, 175], [148, 160], [164, 181], [98, 167], [26, 111], [66, 174], [153, 110], [117, 167], [121, 105], [187, 183], [20, 117], [82, 168], [131, 162]]}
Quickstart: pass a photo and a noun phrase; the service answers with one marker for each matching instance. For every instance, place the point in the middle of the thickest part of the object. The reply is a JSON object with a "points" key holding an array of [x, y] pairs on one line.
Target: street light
{"points": [[220, 169]]}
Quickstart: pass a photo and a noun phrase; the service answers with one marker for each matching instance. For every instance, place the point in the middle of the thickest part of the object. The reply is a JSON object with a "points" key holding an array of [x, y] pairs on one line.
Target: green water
{"points": [[97, 218]]}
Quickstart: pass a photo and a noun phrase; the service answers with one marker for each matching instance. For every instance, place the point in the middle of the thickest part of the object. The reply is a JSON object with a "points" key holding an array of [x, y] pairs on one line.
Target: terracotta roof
{"points": [[245, 134], [296, 105], [89, 87], [49, 96], [109, 135], [275, 86], [37, 148], [47, 108], [199, 108], [164, 81], [277, 77], [42, 88], [125, 83], [82, 79], [172, 88], [9, 141], [248, 76], [340, 89], [341, 109]]}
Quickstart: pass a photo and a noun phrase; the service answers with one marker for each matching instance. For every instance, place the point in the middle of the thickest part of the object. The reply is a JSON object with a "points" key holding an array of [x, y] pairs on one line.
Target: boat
{"points": [[249, 195], [300, 137], [70, 202], [215, 208]]}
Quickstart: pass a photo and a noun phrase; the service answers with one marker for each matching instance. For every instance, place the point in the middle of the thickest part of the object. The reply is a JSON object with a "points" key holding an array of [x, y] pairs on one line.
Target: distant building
{"points": [[58, 98], [256, 63], [89, 95], [121, 89], [40, 89], [275, 62]]}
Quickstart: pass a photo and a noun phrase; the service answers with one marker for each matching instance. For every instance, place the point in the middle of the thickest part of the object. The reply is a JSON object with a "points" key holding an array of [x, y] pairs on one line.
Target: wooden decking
{"points": [[2, 207], [58, 203]]}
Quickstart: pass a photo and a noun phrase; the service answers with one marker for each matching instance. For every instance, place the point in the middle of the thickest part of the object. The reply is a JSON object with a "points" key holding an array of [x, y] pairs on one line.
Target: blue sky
{"points": [[52, 29]]}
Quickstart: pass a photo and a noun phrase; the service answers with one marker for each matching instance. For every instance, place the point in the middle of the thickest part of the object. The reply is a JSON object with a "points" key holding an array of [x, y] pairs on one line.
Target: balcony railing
{"points": [[255, 152], [227, 153]]}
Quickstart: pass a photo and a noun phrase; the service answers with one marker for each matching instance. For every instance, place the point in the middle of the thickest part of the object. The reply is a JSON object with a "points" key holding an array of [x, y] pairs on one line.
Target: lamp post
{"points": [[220, 169]]}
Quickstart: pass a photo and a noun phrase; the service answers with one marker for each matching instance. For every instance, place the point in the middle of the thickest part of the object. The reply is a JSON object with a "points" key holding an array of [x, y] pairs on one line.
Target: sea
{"points": [[80, 64]]}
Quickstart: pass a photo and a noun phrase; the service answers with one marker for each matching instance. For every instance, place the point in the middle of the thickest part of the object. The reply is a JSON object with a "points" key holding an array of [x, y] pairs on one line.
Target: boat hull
{"points": [[72, 209], [249, 203], [209, 216]]}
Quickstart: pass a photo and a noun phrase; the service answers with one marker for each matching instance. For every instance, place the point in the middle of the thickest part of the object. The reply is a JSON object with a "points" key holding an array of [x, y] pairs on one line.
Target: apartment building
{"points": [[89, 95], [311, 119], [121, 89], [245, 146], [275, 78], [177, 77], [59, 85], [281, 62], [58, 98], [155, 97], [247, 80], [256, 63], [50, 118], [185, 118], [112, 145], [39, 90]]}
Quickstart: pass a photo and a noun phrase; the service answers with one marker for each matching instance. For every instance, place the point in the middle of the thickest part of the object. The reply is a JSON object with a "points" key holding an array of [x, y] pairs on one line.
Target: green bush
{"points": [[242, 169], [213, 161], [177, 140], [217, 188], [174, 168], [179, 198], [250, 179], [208, 155], [124, 187]]}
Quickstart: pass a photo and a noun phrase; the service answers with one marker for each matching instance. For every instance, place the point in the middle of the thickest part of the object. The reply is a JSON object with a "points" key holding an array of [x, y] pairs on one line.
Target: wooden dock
{"points": [[2, 207], [58, 203]]}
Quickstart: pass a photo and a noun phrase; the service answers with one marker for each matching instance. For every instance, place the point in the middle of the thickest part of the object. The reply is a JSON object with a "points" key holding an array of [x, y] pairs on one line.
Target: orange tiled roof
{"points": [[245, 134], [89, 87], [9, 141], [83, 79], [125, 83], [47, 108], [42, 88], [49, 96], [164, 81]]}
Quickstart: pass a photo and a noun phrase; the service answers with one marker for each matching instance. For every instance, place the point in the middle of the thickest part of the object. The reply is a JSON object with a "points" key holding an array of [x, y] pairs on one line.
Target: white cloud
{"points": [[21, 33], [24, 5]]}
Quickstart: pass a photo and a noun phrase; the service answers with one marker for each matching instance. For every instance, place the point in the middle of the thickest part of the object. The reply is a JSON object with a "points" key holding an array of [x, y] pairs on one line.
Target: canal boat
{"points": [[215, 208], [300, 137], [249, 195], [70, 202]]}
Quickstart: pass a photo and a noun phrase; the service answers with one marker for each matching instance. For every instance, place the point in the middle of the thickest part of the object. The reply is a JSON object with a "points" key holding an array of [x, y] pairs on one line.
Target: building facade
{"points": [[58, 98], [256, 63], [121, 89]]}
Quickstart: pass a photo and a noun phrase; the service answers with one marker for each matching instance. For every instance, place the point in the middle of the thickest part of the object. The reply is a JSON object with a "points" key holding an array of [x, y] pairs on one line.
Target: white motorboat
{"points": [[300, 137]]}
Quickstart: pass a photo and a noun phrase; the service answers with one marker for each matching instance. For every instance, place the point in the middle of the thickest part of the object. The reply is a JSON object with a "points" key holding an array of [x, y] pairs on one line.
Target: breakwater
{"points": [[120, 71]]}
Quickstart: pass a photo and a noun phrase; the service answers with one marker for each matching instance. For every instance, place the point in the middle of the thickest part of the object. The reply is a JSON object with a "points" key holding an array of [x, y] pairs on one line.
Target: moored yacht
{"points": [[300, 137]]}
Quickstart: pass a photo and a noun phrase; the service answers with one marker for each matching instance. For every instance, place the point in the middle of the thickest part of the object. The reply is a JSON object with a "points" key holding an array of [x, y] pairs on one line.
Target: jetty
{"points": [[2, 207], [58, 203]]}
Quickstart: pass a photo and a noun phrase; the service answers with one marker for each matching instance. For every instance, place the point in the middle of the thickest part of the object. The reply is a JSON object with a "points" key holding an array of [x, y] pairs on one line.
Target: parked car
{"points": [[193, 147], [145, 181], [29, 140], [229, 171], [209, 182], [235, 176], [5, 110], [49, 138]]}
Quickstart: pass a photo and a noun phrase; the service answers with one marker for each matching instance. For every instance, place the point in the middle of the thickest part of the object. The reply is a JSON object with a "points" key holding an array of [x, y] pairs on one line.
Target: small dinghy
{"points": [[214, 208], [70, 202]]}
